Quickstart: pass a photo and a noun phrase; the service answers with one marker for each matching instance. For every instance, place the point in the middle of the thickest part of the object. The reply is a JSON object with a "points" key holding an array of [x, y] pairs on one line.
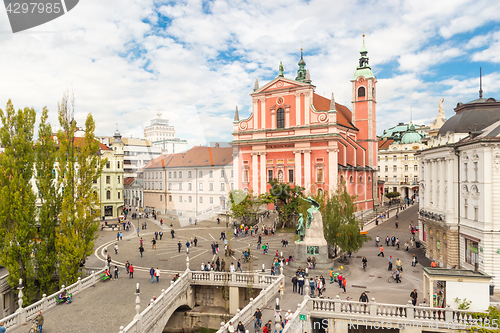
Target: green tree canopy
{"points": [[286, 197], [244, 205]]}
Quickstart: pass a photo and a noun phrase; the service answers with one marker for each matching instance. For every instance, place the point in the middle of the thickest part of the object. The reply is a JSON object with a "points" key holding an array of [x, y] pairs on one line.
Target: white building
{"points": [[190, 182], [459, 224], [397, 162], [162, 136]]}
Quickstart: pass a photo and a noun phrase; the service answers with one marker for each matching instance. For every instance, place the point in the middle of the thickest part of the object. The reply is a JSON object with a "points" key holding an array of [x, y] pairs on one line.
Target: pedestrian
{"points": [[239, 266], [161, 234], [187, 246], [406, 246], [172, 232], [116, 272], [131, 271], [118, 236], [157, 274], [39, 320], [344, 284], [331, 275], [397, 224], [397, 242], [311, 285], [294, 283], [156, 235], [387, 241], [390, 264], [414, 261], [282, 289], [140, 242], [109, 261], [364, 299], [2, 329], [141, 250], [138, 232], [195, 241], [301, 285], [240, 327], [399, 265], [339, 278], [179, 245], [414, 297], [231, 268], [152, 274], [116, 248], [127, 265], [121, 233], [381, 253], [154, 244], [393, 240]]}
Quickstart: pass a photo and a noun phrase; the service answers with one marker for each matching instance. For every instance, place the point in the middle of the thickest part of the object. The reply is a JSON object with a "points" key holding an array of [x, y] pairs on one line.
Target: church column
{"points": [[307, 102], [442, 184], [236, 168], [263, 178], [263, 112], [298, 168], [307, 168], [428, 183], [255, 172], [297, 107], [333, 168]]}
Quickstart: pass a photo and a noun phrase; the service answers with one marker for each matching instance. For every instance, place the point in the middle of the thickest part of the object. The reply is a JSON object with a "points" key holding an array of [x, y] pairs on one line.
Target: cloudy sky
{"points": [[194, 61]]}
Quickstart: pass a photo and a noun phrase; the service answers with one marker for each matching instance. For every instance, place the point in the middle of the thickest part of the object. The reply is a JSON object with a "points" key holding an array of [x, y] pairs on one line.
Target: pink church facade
{"points": [[299, 137]]}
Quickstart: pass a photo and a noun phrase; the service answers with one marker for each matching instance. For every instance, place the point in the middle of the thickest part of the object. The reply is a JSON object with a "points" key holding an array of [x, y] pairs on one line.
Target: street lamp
{"points": [[227, 220], [20, 288], [137, 302]]}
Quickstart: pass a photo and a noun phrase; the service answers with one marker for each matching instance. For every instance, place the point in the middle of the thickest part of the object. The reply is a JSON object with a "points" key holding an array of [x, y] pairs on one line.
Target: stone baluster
{"points": [[44, 302], [448, 314], [79, 284], [373, 307], [410, 310], [211, 276], [337, 304], [121, 329], [93, 278], [222, 326]]}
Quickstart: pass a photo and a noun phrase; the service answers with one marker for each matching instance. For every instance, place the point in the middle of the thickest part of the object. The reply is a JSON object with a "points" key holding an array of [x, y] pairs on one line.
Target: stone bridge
{"points": [[180, 294]]}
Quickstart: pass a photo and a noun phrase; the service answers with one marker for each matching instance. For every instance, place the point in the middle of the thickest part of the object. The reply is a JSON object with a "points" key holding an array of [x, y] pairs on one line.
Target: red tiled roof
{"points": [[344, 115], [384, 144], [195, 157], [78, 140], [128, 180]]}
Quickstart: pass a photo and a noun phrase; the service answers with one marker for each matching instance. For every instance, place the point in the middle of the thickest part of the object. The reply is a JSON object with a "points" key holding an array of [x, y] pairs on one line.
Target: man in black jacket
{"points": [[294, 282]]}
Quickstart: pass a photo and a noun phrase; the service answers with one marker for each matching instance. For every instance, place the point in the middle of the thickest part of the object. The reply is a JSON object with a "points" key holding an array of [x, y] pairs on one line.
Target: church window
{"points": [[387, 158], [395, 180], [320, 191], [386, 179], [360, 179], [351, 180], [245, 176], [394, 158], [280, 118], [369, 179], [415, 167], [269, 175], [361, 92], [290, 176], [406, 179]]}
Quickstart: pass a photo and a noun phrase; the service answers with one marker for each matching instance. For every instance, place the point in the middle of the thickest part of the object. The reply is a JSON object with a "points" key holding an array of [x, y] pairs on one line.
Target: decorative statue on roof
{"points": [[441, 109], [310, 211], [281, 69]]}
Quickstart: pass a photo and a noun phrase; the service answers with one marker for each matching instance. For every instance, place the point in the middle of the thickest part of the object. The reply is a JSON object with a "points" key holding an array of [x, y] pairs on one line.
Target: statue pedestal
{"points": [[313, 245]]}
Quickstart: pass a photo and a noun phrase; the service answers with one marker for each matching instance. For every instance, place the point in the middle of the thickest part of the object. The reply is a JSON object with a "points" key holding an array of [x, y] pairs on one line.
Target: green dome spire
{"points": [[363, 69], [301, 73]]}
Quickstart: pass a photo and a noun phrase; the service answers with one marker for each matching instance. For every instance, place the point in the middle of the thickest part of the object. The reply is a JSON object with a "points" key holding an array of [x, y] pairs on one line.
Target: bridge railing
{"points": [[374, 312], [23, 315], [255, 279], [267, 295]]}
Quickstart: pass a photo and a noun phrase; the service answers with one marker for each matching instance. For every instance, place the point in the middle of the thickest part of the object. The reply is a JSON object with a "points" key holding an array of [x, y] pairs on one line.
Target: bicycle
{"points": [[34, 327], [393, 279], [364, 266]]}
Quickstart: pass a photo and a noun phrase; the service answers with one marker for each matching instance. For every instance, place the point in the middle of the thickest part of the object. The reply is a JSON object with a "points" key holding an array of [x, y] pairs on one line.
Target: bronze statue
{"points": [[310, 211]]}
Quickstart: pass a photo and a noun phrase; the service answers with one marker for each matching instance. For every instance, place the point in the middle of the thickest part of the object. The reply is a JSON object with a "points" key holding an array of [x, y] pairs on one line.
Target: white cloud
{"points": [[123, 68]]}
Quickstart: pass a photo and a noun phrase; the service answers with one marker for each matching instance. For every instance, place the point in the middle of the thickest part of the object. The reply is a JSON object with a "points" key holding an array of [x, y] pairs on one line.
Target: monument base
{"points": [[304, 250]]}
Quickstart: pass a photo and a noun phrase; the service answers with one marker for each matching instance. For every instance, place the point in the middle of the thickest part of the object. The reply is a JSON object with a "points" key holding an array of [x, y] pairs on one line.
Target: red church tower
{"points": [[299, 137]]}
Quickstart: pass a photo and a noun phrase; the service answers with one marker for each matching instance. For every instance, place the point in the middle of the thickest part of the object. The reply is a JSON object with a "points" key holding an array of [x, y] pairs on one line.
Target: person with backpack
{"points": [[141, 250]]}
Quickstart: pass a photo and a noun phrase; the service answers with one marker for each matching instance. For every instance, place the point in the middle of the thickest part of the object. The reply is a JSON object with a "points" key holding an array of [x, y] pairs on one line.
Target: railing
{"points": [[23, 315], [265, 296], [375, 312], [147, 320]]}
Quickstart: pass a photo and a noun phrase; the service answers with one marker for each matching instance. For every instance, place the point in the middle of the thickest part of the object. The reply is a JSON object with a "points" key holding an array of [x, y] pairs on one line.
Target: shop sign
{"points": [[302, 317], [473, 249]]}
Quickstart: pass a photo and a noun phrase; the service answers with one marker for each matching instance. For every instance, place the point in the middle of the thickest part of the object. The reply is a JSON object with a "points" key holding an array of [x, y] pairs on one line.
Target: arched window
{"points": [[108, 195], [370, 179], [351, 180], [361, 92], [320, 191], [280, 118]]}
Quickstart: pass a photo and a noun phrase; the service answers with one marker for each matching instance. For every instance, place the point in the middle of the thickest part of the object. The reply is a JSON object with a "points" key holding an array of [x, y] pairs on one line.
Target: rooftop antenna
{"points": [[480, 83]]}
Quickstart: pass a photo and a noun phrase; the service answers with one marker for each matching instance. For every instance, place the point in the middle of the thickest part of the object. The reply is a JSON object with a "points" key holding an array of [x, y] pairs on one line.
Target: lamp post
{"points": [[20, 300], [227, 220], [137, 302]]}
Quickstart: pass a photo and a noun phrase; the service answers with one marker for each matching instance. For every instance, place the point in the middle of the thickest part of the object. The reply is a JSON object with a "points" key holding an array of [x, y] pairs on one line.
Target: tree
{"points": [[79, 166], [341, 226], [287, 200], [391, 195], [17, 212], [50, 205], [243, 205]]}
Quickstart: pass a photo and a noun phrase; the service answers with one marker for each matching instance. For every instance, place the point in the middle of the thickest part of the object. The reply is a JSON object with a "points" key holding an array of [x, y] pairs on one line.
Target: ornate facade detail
{"points": [[496, 161], [475, 156], [464, 157], [323, 118], [474, 192], [465, 191], [243, 126]]}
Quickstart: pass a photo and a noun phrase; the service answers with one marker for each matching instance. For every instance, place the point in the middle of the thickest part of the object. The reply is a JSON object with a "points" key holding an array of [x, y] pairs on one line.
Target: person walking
{"points": [[131, 272], [239, 266], [157, 274], [397, 242], [156, 235], [39, 321], [161, 234], [399, 265], [364, 299], [2, 328], [121, 235], [406, 246], [389, 268], [282, 289], [311, 286], [339, 278], [231, 268], [179, 245], [301, 285], [152, 274], [116, 272], [116, 248], [127, 265], [187, 247], [344, 284], [387, 241], [109, 261], [414, 297], [154, 244], [294, 283], [195, 241], [172, 232], [381, 253], [141, 250], [138, 231], [414, 261], [240, 327], [397, 224]]}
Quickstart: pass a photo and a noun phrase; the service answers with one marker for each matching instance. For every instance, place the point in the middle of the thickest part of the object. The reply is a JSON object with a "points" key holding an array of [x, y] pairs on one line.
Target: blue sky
{"points": [[194, 61]]}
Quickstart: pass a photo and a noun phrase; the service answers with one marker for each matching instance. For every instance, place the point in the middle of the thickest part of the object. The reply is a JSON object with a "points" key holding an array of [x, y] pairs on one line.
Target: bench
{"points": [[104, 277]]}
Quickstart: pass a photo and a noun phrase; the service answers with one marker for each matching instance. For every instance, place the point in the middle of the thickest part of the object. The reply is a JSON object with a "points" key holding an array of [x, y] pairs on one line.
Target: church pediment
{"points": [[280, 83]]}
